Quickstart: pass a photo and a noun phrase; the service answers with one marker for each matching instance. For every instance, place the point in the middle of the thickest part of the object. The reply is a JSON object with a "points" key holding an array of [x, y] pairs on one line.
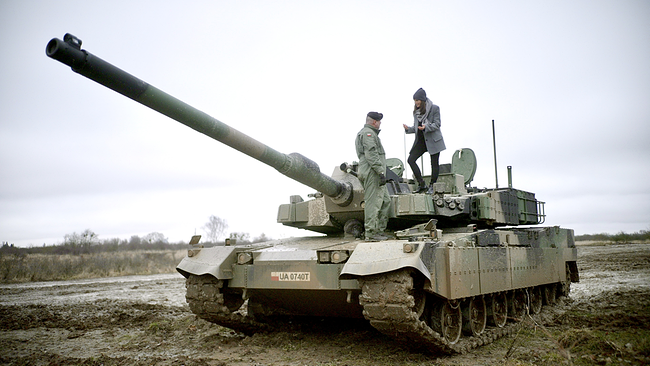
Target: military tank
{"points": [[462, 267]]}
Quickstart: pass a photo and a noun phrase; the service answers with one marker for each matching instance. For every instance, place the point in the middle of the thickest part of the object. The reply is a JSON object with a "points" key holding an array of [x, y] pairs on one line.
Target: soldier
{"points": [[372, 174]]}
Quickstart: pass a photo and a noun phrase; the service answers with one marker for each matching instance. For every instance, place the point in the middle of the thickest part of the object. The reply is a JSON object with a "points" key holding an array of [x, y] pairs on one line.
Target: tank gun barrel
{"points": [[294, 166]]}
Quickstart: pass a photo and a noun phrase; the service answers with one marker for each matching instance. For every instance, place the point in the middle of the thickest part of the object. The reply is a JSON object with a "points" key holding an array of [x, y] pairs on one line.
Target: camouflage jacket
{"points": [[370, 152]]}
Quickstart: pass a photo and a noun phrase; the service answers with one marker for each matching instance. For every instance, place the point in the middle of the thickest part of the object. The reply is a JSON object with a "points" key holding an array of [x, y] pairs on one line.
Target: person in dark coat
{"points": [[428, 137], [372, 174]]}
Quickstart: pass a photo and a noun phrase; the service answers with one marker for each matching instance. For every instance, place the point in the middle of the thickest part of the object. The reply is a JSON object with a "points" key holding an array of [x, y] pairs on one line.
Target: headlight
{"points": [[244, 258], [333, 256]]}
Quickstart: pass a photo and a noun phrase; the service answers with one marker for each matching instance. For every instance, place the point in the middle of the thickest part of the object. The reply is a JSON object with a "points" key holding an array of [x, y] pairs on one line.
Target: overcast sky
{"points": [[567, 83]]}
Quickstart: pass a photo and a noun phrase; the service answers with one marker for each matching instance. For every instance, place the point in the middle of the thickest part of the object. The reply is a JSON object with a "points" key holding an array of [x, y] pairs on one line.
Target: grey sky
{"points": [[567, 83]]}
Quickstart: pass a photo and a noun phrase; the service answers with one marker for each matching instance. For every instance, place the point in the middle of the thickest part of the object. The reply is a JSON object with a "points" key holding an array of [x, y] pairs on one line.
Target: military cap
{"points": [[375, 115]]}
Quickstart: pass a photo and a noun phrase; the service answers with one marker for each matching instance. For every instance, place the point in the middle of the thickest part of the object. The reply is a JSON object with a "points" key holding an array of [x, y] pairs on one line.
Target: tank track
{"points": [[388, 305], [206, 301]]}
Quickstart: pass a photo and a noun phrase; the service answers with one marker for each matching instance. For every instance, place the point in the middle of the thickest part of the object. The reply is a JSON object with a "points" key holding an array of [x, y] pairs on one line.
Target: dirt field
{"points": [[143, 320]]}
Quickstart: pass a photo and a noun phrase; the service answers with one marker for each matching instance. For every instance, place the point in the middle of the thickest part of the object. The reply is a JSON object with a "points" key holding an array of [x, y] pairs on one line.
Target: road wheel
{"points": [[498, 309], [535, 294], [518, 305], [549, 292], [447, 320], [474, 316]]}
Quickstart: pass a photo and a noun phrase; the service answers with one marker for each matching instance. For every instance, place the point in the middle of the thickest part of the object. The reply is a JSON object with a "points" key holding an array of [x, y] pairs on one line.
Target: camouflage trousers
{"points": [[377, 205]]}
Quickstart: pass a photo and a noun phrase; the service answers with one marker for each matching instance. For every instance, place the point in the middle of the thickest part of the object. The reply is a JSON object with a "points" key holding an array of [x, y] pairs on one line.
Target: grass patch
{"points": [[587, 338], [621, 345], [48, 267], [160, 328]]}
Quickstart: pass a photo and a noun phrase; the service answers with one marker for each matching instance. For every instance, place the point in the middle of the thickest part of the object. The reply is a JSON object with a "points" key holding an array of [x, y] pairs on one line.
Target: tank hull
{"points": [[394, 284]]}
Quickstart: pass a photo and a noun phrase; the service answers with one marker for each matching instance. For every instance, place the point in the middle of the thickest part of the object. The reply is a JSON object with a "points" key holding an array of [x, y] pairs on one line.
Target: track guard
{"points": [[383, 257]]}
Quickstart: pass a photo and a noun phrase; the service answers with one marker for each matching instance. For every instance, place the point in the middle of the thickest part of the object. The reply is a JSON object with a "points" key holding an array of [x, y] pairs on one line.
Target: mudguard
{"points": [[382, 257], [216, 261]]}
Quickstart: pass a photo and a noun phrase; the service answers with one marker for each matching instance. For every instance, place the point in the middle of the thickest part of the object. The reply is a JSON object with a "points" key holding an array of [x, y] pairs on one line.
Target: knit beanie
{"points": [[420, 95]]}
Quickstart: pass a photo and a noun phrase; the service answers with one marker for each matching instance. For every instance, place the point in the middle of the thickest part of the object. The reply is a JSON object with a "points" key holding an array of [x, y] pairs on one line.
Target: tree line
{"points": [[88, 242], [620, 237]]}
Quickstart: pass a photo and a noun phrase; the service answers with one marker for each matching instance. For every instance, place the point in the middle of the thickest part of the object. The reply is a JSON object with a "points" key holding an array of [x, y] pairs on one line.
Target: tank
{"points": [[462, 266]]}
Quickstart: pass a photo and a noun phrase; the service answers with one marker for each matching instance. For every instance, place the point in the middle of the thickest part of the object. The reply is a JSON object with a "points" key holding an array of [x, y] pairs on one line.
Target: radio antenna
{"points": [[405, 163], [494, 143]]}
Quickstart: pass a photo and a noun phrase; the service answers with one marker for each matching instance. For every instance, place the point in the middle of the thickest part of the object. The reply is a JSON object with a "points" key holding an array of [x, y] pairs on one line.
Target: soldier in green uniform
{"points": [[372, 174]]}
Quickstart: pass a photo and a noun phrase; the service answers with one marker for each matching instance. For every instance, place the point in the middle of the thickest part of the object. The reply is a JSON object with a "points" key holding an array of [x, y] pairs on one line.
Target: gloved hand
{"points": [[382, 179]]}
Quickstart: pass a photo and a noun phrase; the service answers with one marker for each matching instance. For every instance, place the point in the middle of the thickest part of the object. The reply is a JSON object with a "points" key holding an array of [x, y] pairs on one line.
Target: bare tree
{"points": [[242, 238], [261, 238], [215, 228], [81, 243], [85, 239], [155, 237]]}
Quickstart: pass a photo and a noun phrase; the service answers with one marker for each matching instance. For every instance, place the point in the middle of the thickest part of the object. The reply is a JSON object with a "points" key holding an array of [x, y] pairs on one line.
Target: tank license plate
{"points": [[290, 276]]}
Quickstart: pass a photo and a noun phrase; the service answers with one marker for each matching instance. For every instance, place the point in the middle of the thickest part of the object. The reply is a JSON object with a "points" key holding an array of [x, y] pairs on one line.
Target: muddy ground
{"points": [[143, 320]]}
